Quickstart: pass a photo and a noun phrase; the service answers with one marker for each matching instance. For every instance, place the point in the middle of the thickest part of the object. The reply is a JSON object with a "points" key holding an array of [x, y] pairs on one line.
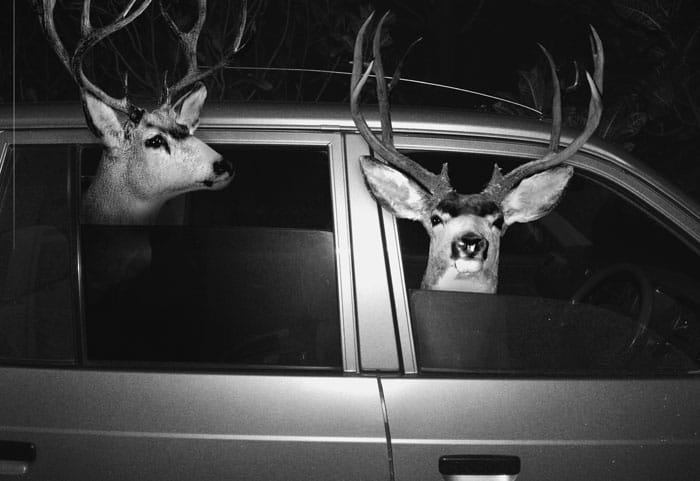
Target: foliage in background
{"points": [[652, 83]]}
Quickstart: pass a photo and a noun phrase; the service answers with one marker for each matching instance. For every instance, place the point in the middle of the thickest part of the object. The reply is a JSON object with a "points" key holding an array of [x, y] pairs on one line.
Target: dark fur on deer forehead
{"points": [[456, 204], [165, 122]]}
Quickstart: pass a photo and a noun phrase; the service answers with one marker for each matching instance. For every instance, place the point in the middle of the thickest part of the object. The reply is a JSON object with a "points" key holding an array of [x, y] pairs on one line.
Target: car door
{"points": [[232, 354], [524, 383]]}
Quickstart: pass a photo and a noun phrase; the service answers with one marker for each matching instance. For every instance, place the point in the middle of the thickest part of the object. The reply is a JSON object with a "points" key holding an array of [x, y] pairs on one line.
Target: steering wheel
{"points": [[646, 293]]}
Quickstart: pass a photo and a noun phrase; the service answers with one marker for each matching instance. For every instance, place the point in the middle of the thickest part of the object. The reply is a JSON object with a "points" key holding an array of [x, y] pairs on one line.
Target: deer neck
{"points": [[452, 280], [109, 200]]}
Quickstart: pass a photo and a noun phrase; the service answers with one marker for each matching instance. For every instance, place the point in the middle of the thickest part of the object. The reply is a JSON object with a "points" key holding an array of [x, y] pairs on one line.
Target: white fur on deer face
{"points": [[465, 230], [148, 163], [465, 233]]}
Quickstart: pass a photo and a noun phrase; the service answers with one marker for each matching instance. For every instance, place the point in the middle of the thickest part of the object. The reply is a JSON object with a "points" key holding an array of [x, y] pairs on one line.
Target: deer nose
{"points": [[470, 245], [223, 166]]}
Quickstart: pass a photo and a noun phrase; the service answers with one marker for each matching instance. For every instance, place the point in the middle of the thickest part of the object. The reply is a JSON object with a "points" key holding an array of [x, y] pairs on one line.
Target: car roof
{"points": [[301, 116], [311, 116], [325, 117], [336, 117]]}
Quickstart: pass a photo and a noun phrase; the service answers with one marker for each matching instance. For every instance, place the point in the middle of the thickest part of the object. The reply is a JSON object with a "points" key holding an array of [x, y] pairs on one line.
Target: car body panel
{"points": [[574, 429], [138, 425]]}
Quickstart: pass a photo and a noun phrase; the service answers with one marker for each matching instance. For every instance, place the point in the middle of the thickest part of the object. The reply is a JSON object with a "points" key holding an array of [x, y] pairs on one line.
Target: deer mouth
{"points": [[218, 183], [468, 266]]}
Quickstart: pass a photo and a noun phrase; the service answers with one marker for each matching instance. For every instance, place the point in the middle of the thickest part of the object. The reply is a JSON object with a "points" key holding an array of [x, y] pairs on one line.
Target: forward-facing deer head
{"points": [[465, 229], [153, 156]]}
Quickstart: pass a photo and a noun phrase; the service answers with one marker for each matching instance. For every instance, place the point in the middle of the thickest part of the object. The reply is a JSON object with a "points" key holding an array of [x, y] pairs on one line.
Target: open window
{"points": [[599, 285], [245, 276]]}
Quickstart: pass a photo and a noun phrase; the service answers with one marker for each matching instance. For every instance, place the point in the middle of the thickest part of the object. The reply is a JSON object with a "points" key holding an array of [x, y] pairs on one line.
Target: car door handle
{"points": [[479, 467], [15, 457]]}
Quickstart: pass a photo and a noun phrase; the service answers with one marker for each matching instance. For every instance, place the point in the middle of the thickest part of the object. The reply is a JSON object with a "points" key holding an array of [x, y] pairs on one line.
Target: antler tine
{"points": [[90, 36], [397, 72], [500, 185], [556, 103], [382, 91], [598, 58], [188, 41], [242, 19], [46, 14], [435, 184]]}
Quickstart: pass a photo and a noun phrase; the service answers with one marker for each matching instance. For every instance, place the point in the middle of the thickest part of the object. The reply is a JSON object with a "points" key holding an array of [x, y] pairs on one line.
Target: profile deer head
{"points": [[152, 156], [465, 229]]}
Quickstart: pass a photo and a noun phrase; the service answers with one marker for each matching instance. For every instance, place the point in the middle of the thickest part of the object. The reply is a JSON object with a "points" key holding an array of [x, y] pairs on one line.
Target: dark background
{"points": [[652, 47]]}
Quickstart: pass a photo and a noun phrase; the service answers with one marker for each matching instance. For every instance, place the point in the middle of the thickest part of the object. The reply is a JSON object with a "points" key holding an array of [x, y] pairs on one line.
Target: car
{"points": [[276, 329]]}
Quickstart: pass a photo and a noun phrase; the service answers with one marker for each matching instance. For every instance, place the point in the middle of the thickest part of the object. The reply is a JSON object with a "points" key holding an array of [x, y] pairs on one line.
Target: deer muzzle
{"points": [[469, 252], [222, 167]]}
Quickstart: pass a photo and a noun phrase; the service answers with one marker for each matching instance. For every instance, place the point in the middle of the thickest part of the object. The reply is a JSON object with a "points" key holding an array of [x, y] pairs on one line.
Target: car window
{"points": [[244, 276], [37, 309], [635, 286]]}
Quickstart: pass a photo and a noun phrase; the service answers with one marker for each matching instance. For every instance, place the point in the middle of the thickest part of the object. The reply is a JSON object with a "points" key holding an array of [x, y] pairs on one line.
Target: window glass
{"points": [[36, 292], [636, 288], [241, 276]]}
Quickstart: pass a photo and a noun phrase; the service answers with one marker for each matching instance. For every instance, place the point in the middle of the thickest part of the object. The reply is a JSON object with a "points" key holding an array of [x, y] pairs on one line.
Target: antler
{"points": [[188, 41], [90, 36], [437, 185], [500, 185]]}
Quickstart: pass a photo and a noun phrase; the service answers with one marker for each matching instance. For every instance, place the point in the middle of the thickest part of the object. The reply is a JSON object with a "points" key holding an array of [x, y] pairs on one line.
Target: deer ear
{"points": [[536, 196], [395, 191], [102, 121], [189, 106]]}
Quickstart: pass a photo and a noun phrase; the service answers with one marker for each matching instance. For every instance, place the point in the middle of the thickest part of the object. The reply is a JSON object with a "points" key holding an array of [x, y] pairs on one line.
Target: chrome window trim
{"points": [[401, 306], [375, 319], [4, 147], [5, 141], [599, 162]]}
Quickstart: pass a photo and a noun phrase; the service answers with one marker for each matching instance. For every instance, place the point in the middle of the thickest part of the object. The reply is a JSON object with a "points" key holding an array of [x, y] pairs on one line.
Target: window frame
{"points": [[333, 142], [599, 165]]}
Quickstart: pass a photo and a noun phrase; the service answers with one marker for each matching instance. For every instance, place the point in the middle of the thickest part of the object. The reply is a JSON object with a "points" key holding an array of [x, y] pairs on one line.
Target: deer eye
{"points": [[498, 223], [156, 142], [435, 220]]}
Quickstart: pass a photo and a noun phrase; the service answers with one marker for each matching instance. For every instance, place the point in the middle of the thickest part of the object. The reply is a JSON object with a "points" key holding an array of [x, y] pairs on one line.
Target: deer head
{"points": [[464, 229], [152, 156]]}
